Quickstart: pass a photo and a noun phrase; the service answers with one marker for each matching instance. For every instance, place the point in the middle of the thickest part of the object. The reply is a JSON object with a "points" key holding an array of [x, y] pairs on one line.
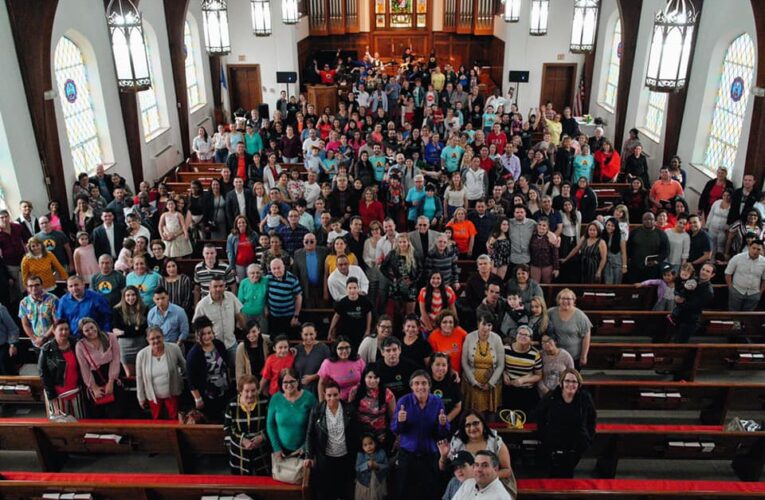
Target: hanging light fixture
{"points": [[539, 12], [512, 11], [671, 46], [215, 17], [130, 58], [261, 17], [585, 26], [290, 12]]}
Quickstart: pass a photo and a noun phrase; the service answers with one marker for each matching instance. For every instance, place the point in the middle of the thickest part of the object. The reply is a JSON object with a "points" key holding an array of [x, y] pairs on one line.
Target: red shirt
{"points": [[241, 171], [487, 164], [327, 77], [245, 254], [274, 365], [498, 140], [71, 373], [372, 212]]}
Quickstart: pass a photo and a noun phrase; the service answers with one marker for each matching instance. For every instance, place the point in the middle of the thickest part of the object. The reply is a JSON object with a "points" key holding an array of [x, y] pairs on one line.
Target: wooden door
{"points": [[558, 85], [244, 86]]}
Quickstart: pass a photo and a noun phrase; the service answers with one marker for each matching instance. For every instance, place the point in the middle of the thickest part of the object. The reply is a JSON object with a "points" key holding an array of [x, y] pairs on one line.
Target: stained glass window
{"points": [[614, 59], [401, 14], [193, 87], [77, 106], [654, 116], [730, 107], [147, 100]]}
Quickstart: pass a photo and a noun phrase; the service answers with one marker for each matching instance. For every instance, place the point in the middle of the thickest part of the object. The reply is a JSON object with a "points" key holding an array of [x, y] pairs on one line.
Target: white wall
{"points": [[21, 174], [639, 93], [717, 29], [609, 13], [277, 52], [81, 20], [528, 53], [155, 162], [202, 115]]}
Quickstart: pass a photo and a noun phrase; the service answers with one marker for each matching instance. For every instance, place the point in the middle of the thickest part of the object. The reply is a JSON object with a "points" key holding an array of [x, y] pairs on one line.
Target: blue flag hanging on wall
{"points": [[70, 90]]}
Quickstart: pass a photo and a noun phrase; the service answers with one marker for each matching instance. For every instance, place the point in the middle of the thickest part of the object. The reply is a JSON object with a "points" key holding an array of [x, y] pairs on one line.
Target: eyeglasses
{"points": [[344, 348], [385, 327], [289, 382], [567, 299], [474, 423]]}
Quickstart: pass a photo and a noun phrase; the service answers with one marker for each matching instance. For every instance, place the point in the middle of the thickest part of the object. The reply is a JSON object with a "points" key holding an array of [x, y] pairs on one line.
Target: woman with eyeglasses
{"points": [[287, 419], [371, 347], [343, 366], [483, 361], [555, 361], [566, 420], [572, 326], [523, 369], [474, 435]]}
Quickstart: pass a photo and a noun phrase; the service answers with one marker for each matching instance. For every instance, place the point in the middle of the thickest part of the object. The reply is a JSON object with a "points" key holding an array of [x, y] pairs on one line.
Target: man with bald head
{"points": [[284, 299]]}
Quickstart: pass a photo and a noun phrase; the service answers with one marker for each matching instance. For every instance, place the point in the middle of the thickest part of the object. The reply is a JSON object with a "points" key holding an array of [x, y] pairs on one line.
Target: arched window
{"points": [[77, 105], [608, 98], [654, 115], [193, 84], [151, 115], [730, 106]]}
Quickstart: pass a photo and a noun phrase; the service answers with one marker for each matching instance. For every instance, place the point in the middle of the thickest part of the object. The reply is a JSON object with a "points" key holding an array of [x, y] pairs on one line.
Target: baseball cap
{"points": [[665, 268]]}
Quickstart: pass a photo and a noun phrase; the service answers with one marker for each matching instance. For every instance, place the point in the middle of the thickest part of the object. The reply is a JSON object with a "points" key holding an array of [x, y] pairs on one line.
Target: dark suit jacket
{"points": [[233, 160], [232, 207], [101, 242], [35, 226], [735, 214], [300, 269], [414, 239]]}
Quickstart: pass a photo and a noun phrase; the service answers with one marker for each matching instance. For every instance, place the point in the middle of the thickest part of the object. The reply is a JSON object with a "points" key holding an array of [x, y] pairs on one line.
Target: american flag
{"points": [[578, 98]]}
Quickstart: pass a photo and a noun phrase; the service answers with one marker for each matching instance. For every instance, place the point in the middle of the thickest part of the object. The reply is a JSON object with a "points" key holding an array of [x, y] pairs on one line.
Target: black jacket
{"points": [[588, 205], [566, 426], [52, 366], [233, 160], [101, 242], [232, 208], [735, 213], [704, 198], [317, 435]]}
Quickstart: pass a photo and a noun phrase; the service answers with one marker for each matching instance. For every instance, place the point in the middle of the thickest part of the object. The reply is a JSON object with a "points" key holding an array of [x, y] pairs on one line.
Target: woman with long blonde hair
{"points": [[403, 271]]}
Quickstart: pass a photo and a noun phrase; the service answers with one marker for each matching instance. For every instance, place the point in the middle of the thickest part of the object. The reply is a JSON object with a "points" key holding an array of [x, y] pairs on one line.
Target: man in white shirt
{"points": [[311, 190], [475, 180], [485, 482], [387, 242], [311, 142], [745, 276], [339, 277], [225, 312]]}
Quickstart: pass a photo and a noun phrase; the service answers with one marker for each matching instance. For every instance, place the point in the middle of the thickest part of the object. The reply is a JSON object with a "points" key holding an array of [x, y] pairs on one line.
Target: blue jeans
{"points": [[221, 155]]}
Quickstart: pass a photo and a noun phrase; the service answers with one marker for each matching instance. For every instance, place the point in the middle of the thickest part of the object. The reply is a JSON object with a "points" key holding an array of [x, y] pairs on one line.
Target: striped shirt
{"points": [[281, 295], [203, 275], [519, 364]]}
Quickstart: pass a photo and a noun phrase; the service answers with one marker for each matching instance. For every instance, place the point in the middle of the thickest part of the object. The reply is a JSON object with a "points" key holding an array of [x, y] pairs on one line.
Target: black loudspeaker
{"points": [[518, 76], [263, 111], [286, 77]]}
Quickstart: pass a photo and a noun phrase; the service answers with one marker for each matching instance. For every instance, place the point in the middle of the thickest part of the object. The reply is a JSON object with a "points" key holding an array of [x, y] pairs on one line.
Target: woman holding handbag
{"points": [[98, 355], [286, 426]]}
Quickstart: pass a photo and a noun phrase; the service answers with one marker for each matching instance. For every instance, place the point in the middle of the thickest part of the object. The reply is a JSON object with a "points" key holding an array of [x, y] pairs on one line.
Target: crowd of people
{"points": [[366, 211]]}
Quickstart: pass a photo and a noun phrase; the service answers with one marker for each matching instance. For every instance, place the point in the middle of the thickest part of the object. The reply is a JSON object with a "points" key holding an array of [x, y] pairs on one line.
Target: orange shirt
{"points": [[461, 233], [451, 345], [666, 191]]}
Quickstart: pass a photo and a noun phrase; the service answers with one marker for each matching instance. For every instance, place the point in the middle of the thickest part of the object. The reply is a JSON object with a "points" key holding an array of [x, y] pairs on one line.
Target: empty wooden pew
{"points": [[21, 390], [636, 489], [24, 485], [686, 361], [625, 297], [53, 441], [745, 450], [712, 401]]}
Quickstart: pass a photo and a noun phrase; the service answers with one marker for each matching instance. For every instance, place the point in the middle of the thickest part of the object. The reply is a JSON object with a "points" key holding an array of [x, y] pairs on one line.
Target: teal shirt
{"points": [[287, 422], [452, 157], [415, 197], [378, 165], [253, 296], [329, 167], [146, 285], [429, 207], [583, 167], [253, 144]]}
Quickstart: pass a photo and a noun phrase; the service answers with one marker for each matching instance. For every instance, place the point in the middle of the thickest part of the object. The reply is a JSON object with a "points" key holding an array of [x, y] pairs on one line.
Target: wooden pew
{"points": [[29, 390], [24, 485], [625, 323], [187, 177], [745, 450], [195, 166], [625, 297], [636, 489], [53, 441], [712, 400], [686, 361]]}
